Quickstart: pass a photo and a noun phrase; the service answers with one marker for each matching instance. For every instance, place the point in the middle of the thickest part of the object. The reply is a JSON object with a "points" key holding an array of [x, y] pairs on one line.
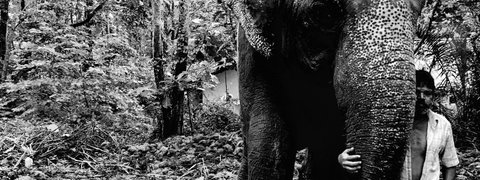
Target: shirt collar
{"points": [[432, 121]]}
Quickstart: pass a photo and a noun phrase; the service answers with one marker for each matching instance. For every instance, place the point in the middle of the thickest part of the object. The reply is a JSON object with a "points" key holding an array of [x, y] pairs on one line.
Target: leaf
{"points": [[35, 31], [60, 97], [166, 102], [19, 109], [77, 83], [145, 92], [28, 162], [28, 112], [25, 178], [28, 45], [197, 20], [143, 147], [96, 71], [52, 127], [45, 28], [39, 63]]}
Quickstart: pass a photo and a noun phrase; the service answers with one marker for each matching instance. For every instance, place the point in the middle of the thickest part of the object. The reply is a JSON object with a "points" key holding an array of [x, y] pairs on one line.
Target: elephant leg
{"points": [[270, 153], [243, 172], [268, 150]]}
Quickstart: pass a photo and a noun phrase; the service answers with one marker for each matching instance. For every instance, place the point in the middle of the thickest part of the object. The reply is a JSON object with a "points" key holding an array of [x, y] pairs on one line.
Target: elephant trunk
{"points": [[375, 84]]}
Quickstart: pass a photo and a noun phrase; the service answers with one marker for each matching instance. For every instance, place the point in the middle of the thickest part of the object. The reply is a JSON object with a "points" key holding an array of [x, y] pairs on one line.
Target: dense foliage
{"points": [[451, 52]]}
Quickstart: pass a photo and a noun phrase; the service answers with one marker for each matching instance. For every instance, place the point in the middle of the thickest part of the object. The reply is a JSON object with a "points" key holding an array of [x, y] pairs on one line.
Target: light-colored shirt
{"points": [[440, 149]]}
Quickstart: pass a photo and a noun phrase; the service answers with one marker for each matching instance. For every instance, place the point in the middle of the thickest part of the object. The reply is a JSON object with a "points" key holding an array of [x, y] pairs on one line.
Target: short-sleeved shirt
{"points": [[440, 149]]}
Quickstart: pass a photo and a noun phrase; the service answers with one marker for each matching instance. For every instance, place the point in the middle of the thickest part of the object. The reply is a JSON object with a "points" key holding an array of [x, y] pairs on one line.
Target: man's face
{"points": [[424, 99]]}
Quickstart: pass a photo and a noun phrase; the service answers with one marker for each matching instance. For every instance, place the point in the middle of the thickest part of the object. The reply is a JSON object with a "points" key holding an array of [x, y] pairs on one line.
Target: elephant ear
{"points": [[251, 16]]}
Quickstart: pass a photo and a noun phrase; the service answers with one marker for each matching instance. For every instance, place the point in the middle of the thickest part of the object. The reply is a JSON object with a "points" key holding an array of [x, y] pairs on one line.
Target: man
{"points": [[431, 140]]}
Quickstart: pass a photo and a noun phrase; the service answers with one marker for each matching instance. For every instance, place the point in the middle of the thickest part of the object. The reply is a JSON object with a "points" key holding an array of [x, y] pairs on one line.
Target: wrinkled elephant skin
{"points": [[311, 71]]}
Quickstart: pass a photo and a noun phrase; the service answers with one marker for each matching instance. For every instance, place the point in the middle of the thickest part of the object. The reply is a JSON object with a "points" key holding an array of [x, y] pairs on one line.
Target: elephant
{"points": [[325, 75]]}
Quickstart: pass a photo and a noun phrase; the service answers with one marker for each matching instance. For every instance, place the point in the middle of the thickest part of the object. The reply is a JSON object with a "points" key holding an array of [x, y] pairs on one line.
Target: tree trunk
{"points": [[476, 66], [462, 67], [173, 119], [170, 122], [3, 37], [78, 13], [158, 63]]}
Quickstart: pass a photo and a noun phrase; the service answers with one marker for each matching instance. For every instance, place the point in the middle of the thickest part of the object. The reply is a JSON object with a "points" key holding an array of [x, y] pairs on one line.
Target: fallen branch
{"points": [[87, 155], [125, 168], [163, 176], [90, 15], [83, 161], [188, 171], [96, 148], [19, 160]]}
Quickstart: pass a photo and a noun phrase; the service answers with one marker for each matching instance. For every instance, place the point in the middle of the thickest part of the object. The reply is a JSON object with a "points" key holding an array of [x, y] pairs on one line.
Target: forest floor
{"points": [[42, 152]]}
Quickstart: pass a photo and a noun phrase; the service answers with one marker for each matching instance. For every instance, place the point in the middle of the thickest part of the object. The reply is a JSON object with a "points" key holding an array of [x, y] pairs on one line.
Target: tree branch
{"points": [[90, 15]]}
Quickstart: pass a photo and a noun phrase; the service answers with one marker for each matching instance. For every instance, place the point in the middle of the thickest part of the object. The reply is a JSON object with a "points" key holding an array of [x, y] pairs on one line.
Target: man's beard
{"points": [[421, 108]]}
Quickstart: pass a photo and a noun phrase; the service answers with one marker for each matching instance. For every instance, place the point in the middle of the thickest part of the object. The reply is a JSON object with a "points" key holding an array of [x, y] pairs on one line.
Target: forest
{"points": [[117, 89]]}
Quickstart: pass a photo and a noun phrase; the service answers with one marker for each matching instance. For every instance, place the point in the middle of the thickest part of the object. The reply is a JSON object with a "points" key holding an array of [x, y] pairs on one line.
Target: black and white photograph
{"points": [[239, 89]]}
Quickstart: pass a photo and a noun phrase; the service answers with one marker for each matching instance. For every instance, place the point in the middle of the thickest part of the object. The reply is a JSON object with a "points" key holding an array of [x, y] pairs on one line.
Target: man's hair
{"points": [[424, 78]]}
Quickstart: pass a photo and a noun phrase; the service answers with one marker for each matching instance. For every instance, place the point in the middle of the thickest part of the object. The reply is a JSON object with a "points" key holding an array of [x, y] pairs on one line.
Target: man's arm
{"points": [[449, 158], [449, 173]]}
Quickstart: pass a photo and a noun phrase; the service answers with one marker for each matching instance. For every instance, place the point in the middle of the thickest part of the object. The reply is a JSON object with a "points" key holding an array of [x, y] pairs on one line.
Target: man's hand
{"points": [[449, 173], [351, 163]]}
